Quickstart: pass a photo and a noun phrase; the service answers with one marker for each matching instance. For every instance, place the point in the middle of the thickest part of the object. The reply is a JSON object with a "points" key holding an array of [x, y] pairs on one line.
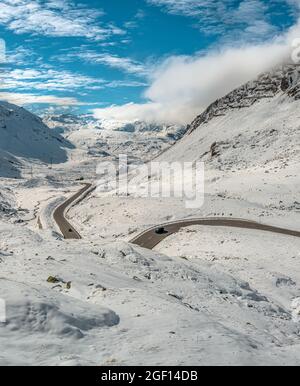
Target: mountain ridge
{"points": [[283, 79]]}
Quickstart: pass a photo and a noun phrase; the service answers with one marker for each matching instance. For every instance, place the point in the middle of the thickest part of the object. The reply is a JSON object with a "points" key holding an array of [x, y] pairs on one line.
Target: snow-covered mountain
{"points": [[255, 125], [249, 141], [72, 122], [109, 138], [24, 135], [250, 144], [205, 295], [65, 123]]}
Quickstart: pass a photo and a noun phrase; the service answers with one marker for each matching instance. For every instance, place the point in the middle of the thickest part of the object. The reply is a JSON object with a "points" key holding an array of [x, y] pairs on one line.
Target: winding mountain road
{"points": [[150, 238], [68, 231]]}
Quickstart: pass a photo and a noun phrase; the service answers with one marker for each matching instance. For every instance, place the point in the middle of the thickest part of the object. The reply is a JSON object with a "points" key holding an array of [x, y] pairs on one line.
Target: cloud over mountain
{"points": [[183, 86]]}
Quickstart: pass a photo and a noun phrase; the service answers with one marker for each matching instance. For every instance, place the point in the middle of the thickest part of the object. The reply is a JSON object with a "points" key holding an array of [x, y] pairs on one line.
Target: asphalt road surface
{"points": [[68, 231], [150, 239]]}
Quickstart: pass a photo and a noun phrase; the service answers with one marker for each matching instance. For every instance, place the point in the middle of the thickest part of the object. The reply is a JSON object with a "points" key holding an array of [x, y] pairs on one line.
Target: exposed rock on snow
{"points": [[7, 203]]}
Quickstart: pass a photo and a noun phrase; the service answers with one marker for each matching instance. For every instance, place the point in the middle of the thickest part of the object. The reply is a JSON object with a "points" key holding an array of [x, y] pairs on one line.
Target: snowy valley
{"points": [[203, 296]]}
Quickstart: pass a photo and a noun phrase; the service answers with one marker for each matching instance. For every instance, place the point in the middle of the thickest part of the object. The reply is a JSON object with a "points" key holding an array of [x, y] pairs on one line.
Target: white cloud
{"points": [[21, 55], [184, 86], [27, 99], [54, 18], [125, 83], [130, 112], [51, 80], [249, 17], [113, 61], [135, 22]]}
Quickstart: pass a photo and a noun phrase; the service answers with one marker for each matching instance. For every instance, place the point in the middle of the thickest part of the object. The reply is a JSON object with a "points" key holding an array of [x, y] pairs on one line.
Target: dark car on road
{"points": [[160, 231]]}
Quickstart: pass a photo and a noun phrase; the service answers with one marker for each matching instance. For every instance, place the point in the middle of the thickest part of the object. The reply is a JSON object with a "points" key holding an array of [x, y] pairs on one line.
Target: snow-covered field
{"points": [[115, 304], [204, 296]]}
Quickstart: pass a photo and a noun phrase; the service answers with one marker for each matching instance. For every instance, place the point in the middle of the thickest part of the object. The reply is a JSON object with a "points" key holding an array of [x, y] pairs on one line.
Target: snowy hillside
{"points": [[253, 125], [115, 304], [251, 153], [9, 165], [203, 296], [24, 135], [250, 142]]}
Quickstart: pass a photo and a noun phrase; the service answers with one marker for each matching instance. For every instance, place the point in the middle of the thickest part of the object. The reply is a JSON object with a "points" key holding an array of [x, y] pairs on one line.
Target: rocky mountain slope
{"points": [[255, 125], [268, 85]]}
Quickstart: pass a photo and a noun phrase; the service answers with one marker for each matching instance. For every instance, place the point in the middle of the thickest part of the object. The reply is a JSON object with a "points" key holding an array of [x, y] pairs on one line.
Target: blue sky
{"points": [[93, 54]]}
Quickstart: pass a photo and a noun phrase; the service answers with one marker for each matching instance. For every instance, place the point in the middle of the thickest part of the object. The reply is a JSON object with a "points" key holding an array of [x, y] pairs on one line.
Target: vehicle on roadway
{"points": [[160, 231]]}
